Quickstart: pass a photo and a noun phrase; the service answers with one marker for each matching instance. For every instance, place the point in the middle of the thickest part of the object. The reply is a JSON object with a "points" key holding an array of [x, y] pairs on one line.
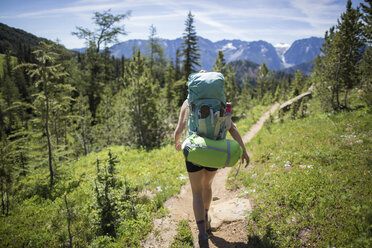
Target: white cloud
{"points": [[271, 20], [75, 9]]}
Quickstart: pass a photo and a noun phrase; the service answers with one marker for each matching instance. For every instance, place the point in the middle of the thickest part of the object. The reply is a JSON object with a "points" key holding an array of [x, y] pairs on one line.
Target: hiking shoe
{"points": [[203, 240]]}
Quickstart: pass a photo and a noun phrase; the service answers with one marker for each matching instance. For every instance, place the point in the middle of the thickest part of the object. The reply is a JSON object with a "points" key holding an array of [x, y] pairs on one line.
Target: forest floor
{"points": [[228, 211]]}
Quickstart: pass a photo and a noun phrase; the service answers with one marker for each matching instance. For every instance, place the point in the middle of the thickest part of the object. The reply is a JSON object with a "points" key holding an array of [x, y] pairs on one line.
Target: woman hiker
{"points": [[201, 178]]}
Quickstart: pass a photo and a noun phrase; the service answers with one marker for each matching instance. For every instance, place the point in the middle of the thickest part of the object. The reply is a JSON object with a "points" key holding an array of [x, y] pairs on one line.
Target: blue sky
{"points": [[275, 21]]}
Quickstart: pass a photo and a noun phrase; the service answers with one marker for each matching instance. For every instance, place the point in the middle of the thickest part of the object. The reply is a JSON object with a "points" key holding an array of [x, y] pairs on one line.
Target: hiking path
{"points": [[228, 212]]}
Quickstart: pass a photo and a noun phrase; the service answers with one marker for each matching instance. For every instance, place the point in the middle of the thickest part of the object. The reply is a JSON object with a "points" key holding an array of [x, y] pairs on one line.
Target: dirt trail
{"points": [[227, 210]]}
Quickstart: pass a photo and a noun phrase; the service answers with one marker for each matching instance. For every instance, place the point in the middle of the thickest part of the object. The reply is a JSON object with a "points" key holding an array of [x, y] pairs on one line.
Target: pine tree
{"points": [[7, 171], [231, 87], [141, 105], [69, 219], [157, 59], [220, 63], [262, 80], [10, 95], [245, 98], [337, 70], [325, 74], [365, 67], [177, 65], [365, 70], [107, 202], [189, 52], [48, 75], [277, 94], [367, 18], [105, 130], [83, 134], [170, 94], [297, 84], [155, 51], [350, 31], [2, 118], [190, 48]]}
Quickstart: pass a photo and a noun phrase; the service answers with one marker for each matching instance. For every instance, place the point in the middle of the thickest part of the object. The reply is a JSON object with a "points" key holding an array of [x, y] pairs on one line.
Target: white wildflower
{"points": [[182, 177]]}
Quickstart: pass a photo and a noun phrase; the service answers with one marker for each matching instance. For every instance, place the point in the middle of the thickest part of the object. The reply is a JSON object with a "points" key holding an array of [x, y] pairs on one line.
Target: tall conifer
{"points": [[48, 75], [141, 106], [231, 87], [337, 70], [190, 48], [189, 52], [262, 80]]}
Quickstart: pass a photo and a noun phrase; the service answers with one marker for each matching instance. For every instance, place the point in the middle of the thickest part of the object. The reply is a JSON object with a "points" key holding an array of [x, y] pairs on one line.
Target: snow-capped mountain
{"points": [[276, 57]]}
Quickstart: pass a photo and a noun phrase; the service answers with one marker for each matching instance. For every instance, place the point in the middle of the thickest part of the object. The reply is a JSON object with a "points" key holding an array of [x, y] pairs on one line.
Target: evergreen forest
{"points": [[86, 139]]}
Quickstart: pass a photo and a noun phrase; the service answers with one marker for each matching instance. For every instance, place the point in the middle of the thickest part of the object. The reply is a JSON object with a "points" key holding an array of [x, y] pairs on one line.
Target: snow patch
{"points": [[263, 49], [285, 64], [236, 55], [282, 45], [228, 46], [280, 49]]}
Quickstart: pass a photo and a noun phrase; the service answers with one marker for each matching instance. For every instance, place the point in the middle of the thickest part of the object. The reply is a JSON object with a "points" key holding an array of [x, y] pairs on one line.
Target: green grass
{"points": [[151, 176], [184, 237], [252, 116], [311, 182], [38, 216]]}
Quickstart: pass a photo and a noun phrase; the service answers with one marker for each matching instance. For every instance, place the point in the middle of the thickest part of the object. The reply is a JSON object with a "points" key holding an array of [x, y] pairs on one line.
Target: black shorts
{"points": [[194, 168]]}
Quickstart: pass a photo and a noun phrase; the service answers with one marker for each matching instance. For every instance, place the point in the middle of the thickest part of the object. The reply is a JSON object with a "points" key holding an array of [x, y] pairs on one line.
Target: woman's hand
{"points": [[178, 145], [236, 136], [246, 158], [180, 126]]}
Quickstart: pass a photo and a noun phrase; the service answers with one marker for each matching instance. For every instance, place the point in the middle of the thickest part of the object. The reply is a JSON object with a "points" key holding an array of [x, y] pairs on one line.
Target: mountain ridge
{"points": [[275, 57]]}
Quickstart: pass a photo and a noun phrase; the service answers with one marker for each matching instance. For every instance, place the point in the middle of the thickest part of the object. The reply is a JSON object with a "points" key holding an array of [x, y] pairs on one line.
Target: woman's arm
{"points": [[180, 126], [236, 136]]}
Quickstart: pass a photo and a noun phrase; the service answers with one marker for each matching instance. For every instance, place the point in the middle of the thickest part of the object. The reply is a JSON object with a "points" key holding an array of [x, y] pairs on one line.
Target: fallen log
{"points": [[285, 106]]}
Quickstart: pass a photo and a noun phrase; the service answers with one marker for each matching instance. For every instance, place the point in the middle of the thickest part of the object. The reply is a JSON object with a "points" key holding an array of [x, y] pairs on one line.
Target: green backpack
{"points": [[207, 105]]}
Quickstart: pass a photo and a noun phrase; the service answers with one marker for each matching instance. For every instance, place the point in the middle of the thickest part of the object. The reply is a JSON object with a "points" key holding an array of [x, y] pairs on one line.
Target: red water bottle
{"points": [[228, 108]]}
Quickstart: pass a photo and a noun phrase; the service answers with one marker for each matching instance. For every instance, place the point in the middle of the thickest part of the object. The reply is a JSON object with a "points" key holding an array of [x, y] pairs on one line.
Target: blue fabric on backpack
{"points": [[207, 104], [206, 85]]}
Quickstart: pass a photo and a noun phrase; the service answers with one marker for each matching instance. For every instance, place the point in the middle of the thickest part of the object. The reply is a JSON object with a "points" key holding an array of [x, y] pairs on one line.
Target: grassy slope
{"points": [[311, 182], [39, 221]]}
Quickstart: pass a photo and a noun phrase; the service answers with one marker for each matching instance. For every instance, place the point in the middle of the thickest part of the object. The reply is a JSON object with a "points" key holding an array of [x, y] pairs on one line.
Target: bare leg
{"points": [[196, 181], [207, 187], [201, 182]]}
